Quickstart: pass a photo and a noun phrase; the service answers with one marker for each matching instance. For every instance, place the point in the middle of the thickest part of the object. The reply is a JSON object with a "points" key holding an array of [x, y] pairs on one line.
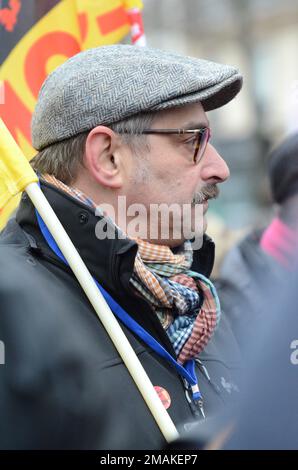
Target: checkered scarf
{"points": [[185, 302]]}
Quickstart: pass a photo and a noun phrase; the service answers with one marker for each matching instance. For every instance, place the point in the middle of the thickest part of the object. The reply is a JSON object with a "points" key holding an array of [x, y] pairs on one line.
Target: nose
{"points": [[213, 167]]}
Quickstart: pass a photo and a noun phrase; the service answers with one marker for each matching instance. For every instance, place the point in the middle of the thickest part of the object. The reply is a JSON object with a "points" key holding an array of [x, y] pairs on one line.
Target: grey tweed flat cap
{"points": [[107, 84]]}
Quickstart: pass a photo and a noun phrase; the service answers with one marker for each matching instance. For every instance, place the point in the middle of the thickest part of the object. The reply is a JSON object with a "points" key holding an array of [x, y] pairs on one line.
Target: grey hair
{"points": [[63, 159]]}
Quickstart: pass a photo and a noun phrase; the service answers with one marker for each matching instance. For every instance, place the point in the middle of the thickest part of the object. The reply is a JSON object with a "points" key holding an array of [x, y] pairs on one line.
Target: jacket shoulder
{"points": [[16, 261]]}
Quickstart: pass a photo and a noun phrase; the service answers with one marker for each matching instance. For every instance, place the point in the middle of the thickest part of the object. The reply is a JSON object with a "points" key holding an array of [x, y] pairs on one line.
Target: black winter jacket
{"points": [[63, 384]]}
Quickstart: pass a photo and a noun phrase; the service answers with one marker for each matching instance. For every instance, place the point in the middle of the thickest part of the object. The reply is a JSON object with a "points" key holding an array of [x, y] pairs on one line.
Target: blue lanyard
{"points": [[187, 372]]}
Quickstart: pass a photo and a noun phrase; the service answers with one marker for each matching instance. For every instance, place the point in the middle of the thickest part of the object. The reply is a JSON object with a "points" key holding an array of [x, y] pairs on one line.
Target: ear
{"points": [[102, 157]]}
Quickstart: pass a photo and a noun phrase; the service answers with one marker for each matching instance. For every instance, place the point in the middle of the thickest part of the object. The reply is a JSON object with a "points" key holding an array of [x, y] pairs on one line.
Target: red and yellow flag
{"points": [[38, 35]]}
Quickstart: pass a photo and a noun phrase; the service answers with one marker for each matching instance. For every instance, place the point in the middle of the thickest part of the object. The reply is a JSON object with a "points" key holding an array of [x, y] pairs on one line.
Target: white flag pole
{"points": [[103, 311]]}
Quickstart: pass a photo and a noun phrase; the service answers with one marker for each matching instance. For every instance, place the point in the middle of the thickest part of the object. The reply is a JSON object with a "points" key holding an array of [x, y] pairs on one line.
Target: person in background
{"points": [[280, 239], [245, 269]]}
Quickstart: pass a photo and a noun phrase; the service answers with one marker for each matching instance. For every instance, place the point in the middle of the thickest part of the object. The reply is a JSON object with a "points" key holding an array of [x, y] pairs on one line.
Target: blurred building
{"points": [[261, 38]]}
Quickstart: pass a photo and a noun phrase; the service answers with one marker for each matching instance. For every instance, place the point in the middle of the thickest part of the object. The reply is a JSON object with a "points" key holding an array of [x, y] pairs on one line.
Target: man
{"points": [[111, 123]]}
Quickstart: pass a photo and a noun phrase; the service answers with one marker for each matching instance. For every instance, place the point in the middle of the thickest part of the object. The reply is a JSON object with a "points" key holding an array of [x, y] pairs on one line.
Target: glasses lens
{"points": [[202, 141]]}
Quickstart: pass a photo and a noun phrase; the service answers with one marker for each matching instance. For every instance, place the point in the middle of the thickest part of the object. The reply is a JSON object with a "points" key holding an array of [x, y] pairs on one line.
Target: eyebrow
{"points": [[196, 125]]}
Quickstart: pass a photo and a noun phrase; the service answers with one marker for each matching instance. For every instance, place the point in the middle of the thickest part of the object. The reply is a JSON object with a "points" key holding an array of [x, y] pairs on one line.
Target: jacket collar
{"points": [[111, 262]]}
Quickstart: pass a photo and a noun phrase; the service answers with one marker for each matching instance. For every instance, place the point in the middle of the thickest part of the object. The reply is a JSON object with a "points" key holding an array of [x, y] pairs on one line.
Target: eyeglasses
{"points": [[198, 141]]}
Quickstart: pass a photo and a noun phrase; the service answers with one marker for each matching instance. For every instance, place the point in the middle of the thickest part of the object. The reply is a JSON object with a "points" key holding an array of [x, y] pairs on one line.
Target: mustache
{"points": [[210, 191]]}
